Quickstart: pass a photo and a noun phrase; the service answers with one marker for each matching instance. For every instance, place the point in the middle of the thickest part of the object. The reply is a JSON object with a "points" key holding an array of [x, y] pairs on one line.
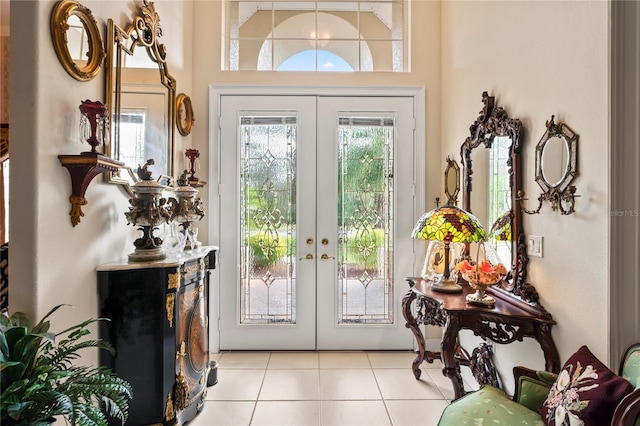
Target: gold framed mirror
{"points": [[142, 105], [184, 114], [452, 181], [76, 40], [491, 164]]}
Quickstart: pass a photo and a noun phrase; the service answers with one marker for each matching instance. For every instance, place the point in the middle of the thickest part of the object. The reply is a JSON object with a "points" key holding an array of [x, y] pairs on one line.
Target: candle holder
{"points": [[148, 209], [193, 155], [94, 123], [83, 167], [185, 209]]}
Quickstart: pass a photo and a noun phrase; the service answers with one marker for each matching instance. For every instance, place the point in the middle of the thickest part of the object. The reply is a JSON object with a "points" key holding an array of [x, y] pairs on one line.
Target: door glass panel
{"points": [[268, 219], [365, 221]]}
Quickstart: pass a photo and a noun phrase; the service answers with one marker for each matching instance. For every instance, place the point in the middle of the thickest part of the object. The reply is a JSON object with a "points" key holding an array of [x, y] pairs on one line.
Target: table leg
{"points": [[449, 345], [551, 356], [412, 324]]}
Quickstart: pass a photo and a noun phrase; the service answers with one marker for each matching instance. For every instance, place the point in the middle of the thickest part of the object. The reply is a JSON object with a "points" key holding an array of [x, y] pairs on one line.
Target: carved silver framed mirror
{"points": [[556, 168], [141, 95], [76, 40]]}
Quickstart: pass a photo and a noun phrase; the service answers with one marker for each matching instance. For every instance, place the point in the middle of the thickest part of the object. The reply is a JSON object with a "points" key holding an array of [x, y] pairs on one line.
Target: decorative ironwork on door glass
{"points": [[268, 219], [365, 220]]}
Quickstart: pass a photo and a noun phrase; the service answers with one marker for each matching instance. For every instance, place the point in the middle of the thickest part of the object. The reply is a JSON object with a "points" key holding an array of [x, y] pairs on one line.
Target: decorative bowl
{"points": [[480, 277]]}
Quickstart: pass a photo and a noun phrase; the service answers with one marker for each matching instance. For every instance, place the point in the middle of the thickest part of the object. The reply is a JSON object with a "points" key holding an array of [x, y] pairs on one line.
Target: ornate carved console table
{"points": [[506, 322]]}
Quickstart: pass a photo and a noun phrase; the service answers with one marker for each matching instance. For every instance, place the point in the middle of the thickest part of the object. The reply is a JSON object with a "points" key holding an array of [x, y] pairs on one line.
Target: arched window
{"points": [[314, 60], [368, 36]]}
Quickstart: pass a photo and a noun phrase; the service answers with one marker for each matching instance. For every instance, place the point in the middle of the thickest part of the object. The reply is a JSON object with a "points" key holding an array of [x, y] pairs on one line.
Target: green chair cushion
{"points": [[532, 392], [631, 368], [488, 406]]}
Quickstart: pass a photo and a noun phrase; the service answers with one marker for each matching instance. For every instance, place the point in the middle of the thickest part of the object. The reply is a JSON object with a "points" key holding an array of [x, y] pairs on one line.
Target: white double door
{"points": [[316, 212]]}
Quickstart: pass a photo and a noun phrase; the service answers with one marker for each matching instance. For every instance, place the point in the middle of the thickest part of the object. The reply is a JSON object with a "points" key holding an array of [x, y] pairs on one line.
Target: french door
{"points": [[316, 211]]}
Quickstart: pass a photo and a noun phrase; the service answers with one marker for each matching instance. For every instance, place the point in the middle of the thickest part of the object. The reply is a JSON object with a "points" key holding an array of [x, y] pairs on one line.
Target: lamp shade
{"points": [[501, 228], [450, 224]]}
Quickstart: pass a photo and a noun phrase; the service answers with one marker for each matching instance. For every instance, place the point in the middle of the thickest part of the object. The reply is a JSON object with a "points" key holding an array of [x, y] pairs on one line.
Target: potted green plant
{"points": [[39, 380]]}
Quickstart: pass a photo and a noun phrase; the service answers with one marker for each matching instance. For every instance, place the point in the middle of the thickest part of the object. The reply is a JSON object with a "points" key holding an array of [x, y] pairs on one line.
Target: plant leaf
{"points": [[12, 336], [4, 322], [4, 348], [55, 308], [40, 379], [20, 319]]}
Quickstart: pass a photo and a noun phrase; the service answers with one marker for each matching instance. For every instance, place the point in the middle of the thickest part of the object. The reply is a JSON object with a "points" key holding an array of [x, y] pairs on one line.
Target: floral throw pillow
{"points": [[586, 392]]}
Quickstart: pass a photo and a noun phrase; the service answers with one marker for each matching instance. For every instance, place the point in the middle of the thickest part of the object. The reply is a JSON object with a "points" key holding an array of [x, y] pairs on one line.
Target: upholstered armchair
{"points": [[585, 390]]}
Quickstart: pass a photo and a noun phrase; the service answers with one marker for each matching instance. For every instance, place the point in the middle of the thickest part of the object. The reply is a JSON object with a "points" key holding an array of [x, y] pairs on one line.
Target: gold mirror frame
{"points": [[59, 27], [143, 33], [452, 171], [184, 123], [494, 122], [560, 194]]}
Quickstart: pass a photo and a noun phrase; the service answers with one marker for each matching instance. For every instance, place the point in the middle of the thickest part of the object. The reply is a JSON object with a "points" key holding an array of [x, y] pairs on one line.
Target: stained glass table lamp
{"points": [[501, 228], [448, 224]]}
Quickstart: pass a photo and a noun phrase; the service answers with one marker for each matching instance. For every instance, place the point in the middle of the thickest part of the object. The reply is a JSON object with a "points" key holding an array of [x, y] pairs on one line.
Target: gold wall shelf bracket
{"points": [[82, 169]]}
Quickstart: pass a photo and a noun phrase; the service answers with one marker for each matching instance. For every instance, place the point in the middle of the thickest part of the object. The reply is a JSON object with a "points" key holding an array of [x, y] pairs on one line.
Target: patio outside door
{"points": [[316, 197]]}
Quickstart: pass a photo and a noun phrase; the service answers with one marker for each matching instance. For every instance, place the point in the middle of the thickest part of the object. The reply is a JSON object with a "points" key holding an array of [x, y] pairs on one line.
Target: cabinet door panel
{"points": [[192, 344]]}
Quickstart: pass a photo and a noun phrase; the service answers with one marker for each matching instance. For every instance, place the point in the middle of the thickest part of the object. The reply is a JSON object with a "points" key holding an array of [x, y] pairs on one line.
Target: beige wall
{"points": [[537, 58], [542, 58], [51, 261]]}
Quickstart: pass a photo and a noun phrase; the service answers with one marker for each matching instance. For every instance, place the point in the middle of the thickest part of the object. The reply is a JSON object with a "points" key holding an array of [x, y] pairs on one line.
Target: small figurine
{"points": [[198, 208], [183, 180], [134, 211], [143, 171]]}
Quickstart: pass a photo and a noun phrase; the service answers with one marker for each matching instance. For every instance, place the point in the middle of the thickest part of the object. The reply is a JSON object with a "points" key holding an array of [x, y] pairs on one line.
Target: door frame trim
{"points": [[213, 192]]}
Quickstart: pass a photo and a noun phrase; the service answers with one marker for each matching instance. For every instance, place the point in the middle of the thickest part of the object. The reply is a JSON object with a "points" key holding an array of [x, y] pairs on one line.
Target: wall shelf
{"points": [[82, 169]]}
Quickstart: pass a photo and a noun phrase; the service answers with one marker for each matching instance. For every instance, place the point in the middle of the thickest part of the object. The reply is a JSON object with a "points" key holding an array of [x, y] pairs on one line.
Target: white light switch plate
{"points": [[534, 245]]}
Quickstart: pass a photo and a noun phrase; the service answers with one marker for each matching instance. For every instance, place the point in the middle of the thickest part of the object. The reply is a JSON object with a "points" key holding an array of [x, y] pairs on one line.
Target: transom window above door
{"points": [[315, 35]]}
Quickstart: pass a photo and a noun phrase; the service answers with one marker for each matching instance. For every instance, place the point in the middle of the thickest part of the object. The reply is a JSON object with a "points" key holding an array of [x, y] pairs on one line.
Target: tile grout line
{"points": [[322, 416], [384, 402], [255, 404]]}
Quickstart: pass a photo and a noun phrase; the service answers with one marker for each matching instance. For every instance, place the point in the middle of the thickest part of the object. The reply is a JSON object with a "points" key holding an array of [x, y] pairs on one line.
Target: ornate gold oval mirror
{"points": [[184, 114], [452, 181], [491, 164], [141, 99], [76, 40], [556, 167]]}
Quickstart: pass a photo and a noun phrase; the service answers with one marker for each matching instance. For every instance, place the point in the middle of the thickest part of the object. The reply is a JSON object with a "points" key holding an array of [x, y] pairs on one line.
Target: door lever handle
{"points": [[326, 257], [307, 257]]}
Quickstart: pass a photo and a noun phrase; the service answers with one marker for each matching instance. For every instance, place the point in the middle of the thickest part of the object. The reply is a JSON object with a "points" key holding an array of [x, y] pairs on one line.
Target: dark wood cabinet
{"points": [[159, 326]]}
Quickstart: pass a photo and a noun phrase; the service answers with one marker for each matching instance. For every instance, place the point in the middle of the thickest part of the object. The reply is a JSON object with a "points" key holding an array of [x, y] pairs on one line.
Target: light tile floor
{"points": [[324, 388]]}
